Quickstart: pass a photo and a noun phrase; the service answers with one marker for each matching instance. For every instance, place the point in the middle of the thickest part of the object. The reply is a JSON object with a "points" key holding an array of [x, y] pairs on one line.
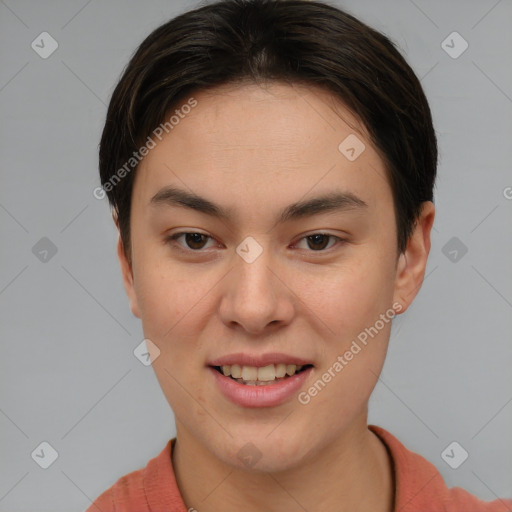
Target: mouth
{"points": [[262, 375]]}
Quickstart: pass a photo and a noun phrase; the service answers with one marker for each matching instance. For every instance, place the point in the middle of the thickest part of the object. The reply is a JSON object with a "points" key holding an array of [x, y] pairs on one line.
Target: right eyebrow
{"points": [[172, 196]]}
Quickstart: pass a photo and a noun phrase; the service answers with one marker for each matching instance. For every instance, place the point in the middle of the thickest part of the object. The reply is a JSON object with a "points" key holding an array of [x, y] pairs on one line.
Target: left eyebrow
{"points": [[322, 204], [172, 196]]}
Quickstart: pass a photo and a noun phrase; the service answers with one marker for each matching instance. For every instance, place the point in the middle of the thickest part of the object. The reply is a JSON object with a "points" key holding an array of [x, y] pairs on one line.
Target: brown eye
{"points": [[192, 241], [318, 241], [195, 240]]}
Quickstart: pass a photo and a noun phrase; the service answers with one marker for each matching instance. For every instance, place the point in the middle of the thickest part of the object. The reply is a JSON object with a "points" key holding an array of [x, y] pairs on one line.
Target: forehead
{"points": [[272, 117], [264, 142]]}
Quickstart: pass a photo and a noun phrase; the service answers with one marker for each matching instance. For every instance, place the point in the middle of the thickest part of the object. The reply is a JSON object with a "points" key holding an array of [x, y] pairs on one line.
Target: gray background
{"points": [[68, 373]]}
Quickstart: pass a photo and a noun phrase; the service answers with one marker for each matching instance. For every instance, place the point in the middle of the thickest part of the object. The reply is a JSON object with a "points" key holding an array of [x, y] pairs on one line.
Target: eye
{"points": [[193, 240], [317, 242]]}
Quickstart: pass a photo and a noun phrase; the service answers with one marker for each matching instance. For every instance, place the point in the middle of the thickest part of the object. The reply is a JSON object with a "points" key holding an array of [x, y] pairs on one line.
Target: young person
{"points": [[271, 166]]}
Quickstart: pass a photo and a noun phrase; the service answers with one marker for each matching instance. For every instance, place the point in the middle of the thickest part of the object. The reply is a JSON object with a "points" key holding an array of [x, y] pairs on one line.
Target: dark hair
{"points": [[293, 41]]}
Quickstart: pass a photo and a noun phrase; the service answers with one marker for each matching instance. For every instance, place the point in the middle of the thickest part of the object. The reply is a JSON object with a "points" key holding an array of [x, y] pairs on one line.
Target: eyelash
{"points": [[176, 236]]}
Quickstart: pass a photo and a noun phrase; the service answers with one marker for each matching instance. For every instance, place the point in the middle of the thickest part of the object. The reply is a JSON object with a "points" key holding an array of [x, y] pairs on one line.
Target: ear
{"points": [[413, 261], [127, 273]]}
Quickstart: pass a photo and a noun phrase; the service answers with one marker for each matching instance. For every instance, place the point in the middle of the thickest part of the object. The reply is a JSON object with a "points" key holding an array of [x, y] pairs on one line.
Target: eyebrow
{"points": [[333, 201]]}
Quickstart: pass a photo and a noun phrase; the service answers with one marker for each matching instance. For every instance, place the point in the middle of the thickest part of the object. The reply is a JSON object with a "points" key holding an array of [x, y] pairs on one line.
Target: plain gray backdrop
{"points": [[68, 373]]}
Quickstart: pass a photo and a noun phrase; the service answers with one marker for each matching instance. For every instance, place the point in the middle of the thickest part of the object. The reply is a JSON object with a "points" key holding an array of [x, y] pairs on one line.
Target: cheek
{"points": [[356, 343], [350, 297], [174, 309], [168, 306], [163, 296], [175, 303]]}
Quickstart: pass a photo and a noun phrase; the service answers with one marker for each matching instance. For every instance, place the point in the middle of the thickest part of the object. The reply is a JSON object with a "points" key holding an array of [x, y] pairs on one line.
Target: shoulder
{"points": [[126, 493], [419, 486], [129, 493]]}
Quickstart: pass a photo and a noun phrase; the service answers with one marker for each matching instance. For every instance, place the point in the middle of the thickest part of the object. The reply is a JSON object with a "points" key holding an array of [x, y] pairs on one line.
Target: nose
{"points": [[255, 296]]}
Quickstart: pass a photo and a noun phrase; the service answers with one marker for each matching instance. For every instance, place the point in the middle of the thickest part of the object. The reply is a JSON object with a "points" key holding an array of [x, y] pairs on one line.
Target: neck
{"points": [[352, 474]]}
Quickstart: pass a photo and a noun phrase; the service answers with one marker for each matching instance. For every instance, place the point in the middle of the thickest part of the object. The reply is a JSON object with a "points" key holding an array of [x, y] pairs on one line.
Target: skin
{"points": [[257, 149]]}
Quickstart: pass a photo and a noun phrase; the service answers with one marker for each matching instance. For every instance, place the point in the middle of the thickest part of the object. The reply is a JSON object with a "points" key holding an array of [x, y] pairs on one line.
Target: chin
{"points": [[260, 449]]}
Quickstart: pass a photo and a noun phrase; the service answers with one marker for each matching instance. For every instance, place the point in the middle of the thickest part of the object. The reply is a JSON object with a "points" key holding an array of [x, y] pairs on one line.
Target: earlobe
{"points": [[128, 280], [413, 261]]}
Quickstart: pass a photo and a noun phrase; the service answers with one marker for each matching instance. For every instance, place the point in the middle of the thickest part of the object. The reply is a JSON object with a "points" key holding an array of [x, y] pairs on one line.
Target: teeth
{"points": [[249, 373], [267, 373], [236, 371], [290, 369], [280, 370], [254, 376]]}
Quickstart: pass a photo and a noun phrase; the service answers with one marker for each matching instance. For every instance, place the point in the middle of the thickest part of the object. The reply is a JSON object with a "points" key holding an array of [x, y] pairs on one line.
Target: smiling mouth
{"points": [[261, 376]]}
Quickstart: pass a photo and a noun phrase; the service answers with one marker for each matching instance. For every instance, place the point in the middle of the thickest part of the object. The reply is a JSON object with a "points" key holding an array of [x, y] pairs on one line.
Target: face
{"points": [[288, 257]]}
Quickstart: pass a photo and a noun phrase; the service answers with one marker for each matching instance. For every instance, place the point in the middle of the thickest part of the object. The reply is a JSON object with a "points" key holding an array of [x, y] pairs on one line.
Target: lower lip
{"points": [[268, 395]]}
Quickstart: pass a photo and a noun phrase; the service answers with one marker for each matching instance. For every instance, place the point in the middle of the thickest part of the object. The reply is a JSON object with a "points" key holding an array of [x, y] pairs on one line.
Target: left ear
{"points": [[413, 261]]}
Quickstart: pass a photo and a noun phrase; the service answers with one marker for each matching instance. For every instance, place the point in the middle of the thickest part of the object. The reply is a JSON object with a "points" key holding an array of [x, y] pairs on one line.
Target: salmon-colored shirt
{"points": [[419, 486]]}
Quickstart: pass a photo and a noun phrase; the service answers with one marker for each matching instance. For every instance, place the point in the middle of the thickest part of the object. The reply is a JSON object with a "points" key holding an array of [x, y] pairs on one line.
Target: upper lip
{"points": [[258, 360]]}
